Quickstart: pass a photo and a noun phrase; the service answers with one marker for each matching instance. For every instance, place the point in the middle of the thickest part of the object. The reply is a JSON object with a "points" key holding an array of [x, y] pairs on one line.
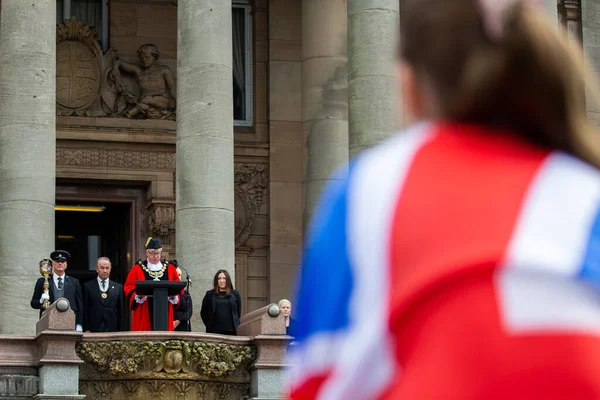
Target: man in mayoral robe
{"points": [[152, 268]]}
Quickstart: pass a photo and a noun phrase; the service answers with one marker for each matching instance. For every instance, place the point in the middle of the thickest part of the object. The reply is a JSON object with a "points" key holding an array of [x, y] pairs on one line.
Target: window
{"points": [[242, 63], [91, 12]]}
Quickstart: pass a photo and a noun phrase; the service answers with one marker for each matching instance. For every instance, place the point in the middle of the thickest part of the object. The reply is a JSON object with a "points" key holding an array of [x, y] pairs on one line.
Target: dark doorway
{"points": [[92, 230]]}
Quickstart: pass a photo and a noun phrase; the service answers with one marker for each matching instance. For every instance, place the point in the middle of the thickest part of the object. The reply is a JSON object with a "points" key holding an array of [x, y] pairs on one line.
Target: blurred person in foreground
{"points": [[464, 251]]}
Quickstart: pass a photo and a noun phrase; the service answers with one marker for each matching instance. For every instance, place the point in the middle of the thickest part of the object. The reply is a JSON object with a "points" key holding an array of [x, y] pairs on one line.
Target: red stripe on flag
{"points": [[310, 388], [454, 218]]}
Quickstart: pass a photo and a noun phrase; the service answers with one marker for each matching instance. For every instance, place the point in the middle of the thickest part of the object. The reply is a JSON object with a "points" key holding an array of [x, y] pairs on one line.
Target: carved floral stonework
{"points": [[119, 358], [114, 158], [250, 184], [171, 369]]}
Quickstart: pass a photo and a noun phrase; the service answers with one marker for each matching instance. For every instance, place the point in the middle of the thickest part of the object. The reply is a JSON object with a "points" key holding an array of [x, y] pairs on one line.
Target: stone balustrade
{"points": [[61, 363]]}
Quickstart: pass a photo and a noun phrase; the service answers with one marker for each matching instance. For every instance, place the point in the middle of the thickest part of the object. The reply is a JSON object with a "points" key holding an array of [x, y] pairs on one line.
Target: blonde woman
{"points": [[286, 310]]}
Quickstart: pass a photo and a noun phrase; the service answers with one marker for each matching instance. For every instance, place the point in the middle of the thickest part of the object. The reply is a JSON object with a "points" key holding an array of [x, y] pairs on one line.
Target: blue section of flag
{"points": [[590, 271], [326, 280]]}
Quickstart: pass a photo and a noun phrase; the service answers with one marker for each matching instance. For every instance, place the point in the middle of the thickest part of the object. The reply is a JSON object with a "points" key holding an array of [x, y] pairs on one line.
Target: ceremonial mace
{"points": [[45, 270]]}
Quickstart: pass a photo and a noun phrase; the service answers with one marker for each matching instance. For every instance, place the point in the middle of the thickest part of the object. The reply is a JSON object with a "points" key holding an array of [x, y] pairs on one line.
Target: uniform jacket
{"points": [[72, 292]]}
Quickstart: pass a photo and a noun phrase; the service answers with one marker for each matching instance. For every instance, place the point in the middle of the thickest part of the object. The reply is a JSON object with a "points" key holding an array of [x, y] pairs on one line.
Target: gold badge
{"points": [[104, 295]]}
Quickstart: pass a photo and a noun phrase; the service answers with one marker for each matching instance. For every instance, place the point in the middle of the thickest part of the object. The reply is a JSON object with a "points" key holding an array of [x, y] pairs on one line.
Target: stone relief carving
{"points": [[120, 358], [250, 184], [164, 389], [161, 221], [79, 65], [170, 369], [90, 83], [17, 385], [157, 91], [114, 158]]}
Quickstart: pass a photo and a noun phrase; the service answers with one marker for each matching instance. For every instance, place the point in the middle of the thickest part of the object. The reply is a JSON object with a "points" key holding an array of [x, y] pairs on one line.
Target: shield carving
{"points": [[77, 75]]}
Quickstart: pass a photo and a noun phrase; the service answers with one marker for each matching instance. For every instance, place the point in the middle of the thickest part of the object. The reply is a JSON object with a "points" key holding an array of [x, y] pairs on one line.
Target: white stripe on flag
{"points": [[537, 284], [363, 369], [532, 301]]}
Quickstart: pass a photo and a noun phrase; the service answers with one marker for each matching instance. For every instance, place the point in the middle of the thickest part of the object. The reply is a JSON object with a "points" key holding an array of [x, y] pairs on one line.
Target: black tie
{"points": [[59, 283], [103, 285]]}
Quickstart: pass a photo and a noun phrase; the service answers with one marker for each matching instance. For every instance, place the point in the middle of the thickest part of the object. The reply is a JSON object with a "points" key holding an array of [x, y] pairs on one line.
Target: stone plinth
{"points": [[267, 327], [59, 363], [54, 319], [45, 366], [259, 322]]}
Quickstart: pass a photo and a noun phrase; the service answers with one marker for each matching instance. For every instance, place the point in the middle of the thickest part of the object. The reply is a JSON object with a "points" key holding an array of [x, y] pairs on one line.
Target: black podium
{"points": [[160, 290]]}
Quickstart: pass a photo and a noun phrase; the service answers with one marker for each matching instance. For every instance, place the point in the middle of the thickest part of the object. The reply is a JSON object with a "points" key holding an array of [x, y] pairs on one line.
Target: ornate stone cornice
{"points": [[115, 158]]}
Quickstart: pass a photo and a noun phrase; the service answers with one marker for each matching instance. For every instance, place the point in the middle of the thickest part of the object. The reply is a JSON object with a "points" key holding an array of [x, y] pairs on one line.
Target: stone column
{"points": [[569, 15], [324, 94], [205, 198], [372, 86], [27, 154], [590, 15], [551, 7]]}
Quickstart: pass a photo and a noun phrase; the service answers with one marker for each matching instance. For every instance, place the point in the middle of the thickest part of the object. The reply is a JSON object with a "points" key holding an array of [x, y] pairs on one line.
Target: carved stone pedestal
{"points": [[268, 377], [154, 365]]}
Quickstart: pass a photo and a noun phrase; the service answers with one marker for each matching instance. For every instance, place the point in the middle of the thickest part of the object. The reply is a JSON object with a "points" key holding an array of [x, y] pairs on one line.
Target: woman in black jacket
{"points": [[221, 306]]}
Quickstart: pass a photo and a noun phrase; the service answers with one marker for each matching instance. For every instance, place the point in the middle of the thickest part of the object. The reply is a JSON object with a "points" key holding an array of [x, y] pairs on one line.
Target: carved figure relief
{"points": [[90, 83], [157, 91]]}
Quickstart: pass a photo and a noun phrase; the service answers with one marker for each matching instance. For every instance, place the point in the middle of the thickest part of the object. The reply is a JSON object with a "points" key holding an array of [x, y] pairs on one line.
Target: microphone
{"points": [[187, 275]]}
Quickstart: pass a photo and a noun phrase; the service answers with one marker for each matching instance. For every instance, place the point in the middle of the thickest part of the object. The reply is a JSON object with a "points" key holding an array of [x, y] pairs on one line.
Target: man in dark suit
{"points": [[103, 301], [60, 285]]}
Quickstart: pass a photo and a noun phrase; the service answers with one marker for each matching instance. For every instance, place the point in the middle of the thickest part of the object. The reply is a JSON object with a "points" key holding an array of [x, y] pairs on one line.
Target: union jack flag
{"points": [[452, 262]]}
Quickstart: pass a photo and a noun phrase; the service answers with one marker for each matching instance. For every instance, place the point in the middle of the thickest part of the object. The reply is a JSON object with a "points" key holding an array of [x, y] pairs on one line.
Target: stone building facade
{"points": [[104, 141]]}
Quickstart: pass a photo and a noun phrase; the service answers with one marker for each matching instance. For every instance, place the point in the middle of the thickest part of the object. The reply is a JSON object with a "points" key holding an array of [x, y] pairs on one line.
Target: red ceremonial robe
{"points": [[140, 313]]}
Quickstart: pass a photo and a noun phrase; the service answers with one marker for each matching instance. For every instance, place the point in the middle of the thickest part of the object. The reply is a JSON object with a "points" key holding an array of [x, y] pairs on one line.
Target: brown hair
{"points": [[530, 81], [228, 286]]}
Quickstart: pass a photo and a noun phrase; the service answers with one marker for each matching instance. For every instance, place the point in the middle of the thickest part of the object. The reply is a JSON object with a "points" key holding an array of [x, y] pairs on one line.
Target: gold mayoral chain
{"points": [[158, 274]]}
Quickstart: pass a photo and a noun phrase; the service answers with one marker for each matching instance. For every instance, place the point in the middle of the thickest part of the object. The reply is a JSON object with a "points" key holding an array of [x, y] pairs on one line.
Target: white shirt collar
{"points": [[100, 283], [55, 279], [155, 267]]}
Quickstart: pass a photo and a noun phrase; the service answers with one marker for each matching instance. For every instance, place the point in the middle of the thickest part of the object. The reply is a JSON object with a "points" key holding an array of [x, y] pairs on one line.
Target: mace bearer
{"points": [[45, 270]]}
